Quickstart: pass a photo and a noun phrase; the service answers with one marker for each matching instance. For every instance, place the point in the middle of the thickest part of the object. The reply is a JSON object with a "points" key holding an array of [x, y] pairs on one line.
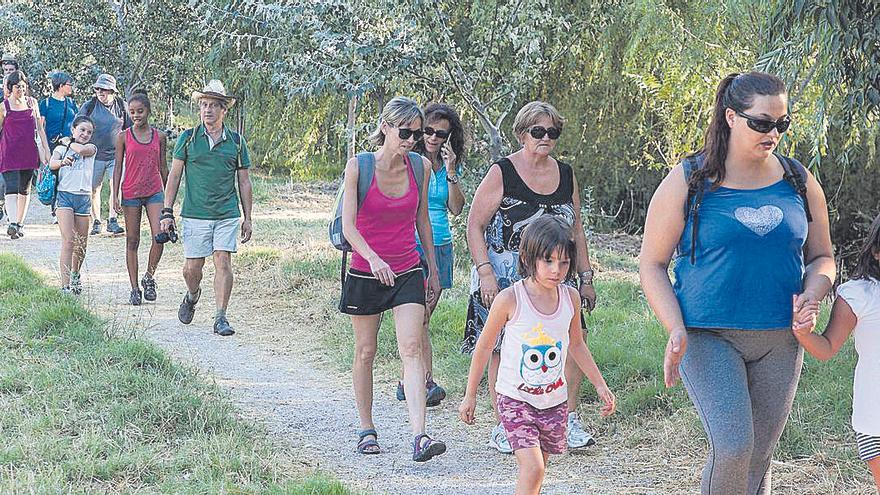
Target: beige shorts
{"points": [[202, 237]]}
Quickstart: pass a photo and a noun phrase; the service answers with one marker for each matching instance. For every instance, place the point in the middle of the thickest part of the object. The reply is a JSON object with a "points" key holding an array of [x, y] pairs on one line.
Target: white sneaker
{"points": [[576, 436], [498, 440]]}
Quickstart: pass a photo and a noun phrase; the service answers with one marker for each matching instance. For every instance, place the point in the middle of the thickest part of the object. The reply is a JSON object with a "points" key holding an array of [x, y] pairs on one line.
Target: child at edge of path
{"points": [[539, 317], [855, 311], [74, 160], [138, 183]]}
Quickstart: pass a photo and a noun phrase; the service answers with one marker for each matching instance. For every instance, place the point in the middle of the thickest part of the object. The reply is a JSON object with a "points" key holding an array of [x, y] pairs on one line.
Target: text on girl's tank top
{"points": [[388, 225], [141, 177], [18, 150], [533, 351], [749, 259]]}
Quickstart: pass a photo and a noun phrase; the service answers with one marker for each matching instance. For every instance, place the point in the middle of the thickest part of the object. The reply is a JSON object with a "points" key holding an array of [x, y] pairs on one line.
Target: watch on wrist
{"points": [[586, 277], [452, 178]]}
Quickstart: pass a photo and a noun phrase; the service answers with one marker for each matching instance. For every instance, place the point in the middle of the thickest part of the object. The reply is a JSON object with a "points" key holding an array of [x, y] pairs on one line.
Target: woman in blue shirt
{"points": [[750, 228], [443, 144]]}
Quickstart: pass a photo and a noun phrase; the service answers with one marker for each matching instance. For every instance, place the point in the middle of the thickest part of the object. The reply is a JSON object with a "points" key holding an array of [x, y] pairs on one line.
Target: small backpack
{"points": [[794, 173], [47, 185], [366, 169]]}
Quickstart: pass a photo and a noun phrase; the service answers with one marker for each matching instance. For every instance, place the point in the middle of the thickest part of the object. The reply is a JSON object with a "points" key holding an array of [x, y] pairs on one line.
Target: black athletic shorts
{"points": [[18, 181], [363, 294]]}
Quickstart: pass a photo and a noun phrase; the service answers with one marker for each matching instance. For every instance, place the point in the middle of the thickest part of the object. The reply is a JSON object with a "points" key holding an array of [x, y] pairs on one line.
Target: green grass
{"points": [[85, 411]]}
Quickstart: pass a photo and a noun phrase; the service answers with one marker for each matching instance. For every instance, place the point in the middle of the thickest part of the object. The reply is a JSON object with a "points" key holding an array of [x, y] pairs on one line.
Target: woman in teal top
{"points": [[750, 228], [443, 144]]}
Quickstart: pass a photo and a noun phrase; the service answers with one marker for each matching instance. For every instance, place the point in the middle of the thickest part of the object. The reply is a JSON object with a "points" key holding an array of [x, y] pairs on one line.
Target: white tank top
{"points": [[533, 351], [863, 296]]}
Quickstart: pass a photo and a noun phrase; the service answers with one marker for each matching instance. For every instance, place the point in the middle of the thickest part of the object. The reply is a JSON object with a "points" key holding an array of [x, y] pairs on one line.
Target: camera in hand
{"points": [[163, 237]]}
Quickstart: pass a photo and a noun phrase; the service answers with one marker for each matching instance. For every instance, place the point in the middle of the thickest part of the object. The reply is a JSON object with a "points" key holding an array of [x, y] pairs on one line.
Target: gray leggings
{"points": [[742, 383]]}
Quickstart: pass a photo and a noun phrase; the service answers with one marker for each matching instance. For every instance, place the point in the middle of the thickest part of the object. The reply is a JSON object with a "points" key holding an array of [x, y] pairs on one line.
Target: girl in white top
{"points": [[856, 310], [541, 328], [74, 159]]}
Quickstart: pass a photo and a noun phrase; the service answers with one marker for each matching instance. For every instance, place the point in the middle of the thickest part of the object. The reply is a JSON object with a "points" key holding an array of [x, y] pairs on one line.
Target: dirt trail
{"points": [[279, 375]]}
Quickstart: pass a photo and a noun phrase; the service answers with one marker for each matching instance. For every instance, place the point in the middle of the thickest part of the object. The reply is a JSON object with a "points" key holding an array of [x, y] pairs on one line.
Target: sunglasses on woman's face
{"points": [[539, 132], [430, 131], [764, 126], [404, 133]]}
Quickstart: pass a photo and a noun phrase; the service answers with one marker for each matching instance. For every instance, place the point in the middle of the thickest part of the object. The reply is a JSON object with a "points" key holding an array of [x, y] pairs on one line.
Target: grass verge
{"points": [[85, 411]]}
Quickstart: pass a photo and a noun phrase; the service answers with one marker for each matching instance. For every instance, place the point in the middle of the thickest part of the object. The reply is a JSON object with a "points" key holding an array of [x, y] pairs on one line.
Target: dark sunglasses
{"points": [[539, 132], [764, 126], [430, 131], [405, 133]]}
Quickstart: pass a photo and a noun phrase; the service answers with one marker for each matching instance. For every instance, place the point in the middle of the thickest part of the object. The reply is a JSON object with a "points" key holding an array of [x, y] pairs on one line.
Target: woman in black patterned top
{"points": [[516, 190]]}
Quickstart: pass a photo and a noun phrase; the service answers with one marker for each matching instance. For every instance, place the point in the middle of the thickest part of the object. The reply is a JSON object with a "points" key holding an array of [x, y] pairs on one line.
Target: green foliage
{"points": [[87, 412]]}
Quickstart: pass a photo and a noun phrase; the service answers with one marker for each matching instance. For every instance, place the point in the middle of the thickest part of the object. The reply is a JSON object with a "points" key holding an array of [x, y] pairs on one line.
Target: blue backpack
{"points": [[366, 168], [47, 185]]}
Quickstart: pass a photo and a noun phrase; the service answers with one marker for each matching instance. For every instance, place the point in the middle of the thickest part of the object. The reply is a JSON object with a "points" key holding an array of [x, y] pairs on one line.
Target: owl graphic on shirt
{"points": [[541, 362]]}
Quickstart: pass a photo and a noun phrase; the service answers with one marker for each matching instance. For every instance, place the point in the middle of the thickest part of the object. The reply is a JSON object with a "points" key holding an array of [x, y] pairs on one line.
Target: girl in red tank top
{"points": [[141, 176]]}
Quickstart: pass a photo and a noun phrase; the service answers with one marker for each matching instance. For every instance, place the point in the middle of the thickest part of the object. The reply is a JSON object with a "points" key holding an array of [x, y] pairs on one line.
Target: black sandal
{"points": [[368, 446], [431, 448]]}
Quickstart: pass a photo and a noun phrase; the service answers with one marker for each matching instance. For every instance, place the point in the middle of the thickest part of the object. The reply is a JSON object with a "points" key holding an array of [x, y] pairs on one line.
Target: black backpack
{"points": [[794, 173], [89, 107]]}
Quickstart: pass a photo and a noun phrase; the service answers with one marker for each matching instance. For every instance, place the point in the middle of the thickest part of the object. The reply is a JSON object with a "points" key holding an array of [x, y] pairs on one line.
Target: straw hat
{"points": [[214, 89]]}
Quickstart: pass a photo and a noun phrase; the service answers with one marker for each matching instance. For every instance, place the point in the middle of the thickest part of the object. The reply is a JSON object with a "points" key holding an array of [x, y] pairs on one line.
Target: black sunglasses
{"points": [[539, 132], [405, 133], [764, 126], [430, 131]]}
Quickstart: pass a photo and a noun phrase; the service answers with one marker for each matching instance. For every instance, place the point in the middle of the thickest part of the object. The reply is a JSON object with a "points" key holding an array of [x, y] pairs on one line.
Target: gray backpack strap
{"points": [[366, 168], [418, 166]]}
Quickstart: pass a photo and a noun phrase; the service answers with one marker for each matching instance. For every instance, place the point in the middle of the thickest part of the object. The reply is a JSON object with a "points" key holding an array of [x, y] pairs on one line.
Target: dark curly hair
{"points": [[867, 266], [440, 111]]}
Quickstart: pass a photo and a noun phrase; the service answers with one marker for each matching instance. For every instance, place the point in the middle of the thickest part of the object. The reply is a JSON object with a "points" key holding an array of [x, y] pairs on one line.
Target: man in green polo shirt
{"points": [[210, 158]]}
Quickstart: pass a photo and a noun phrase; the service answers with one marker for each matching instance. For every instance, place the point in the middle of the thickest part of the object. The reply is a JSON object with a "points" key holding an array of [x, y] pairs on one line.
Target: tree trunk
{"points": [[350, 125]]}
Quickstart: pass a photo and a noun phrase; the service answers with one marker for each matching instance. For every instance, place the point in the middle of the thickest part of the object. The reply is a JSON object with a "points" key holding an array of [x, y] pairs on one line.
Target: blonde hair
{"points": [[400, 110], [531, 113]]}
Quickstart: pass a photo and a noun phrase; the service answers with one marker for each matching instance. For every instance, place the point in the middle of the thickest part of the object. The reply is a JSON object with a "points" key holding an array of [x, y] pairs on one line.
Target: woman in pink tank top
{"points": [[141, 152], [20, 153], [386, 272]]}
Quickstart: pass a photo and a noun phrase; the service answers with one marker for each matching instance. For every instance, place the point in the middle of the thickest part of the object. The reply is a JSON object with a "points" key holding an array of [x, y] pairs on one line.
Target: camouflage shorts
{"points": [[529, 427]]}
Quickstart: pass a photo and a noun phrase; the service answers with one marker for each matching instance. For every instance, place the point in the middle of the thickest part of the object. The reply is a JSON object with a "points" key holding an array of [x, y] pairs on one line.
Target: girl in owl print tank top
{"points": [[542, 329]]}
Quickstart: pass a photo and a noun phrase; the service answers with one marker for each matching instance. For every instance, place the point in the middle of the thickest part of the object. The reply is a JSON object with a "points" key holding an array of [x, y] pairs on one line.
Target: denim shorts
{"points": [[445, 262], [159, 197], [81, 204]]}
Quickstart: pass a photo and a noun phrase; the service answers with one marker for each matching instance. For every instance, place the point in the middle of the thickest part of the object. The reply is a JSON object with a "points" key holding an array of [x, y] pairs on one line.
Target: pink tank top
{"points": [[388, 225], [533, 351], [142, 178], [18, 150]]}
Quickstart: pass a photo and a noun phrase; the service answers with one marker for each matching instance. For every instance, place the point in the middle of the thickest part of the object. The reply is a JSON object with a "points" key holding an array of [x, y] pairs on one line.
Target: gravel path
{"points": [[278, 375]]}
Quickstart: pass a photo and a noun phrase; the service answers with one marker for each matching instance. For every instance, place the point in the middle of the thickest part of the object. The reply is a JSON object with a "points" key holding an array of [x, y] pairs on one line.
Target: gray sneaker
{"points": [[76, 286], [149, 285], [96, 228], [113, 227], [222, 327], [498, 440], [577, 437], [187, 310]]}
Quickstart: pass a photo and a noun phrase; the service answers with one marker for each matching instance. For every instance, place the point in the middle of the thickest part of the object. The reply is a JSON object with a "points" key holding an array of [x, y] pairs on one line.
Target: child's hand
{"points": [[467, 408], [803, 319], [609, 401]]}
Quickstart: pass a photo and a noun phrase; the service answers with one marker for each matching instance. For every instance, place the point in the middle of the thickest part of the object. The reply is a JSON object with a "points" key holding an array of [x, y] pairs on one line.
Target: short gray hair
{"points": [[400, 110], [532, 112]]}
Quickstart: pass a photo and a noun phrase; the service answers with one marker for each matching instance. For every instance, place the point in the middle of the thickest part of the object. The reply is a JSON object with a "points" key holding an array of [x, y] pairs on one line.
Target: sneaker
{"points": [[12, 231], [222, 327], [96, 228], [434, 394], [135, 297], [577, 437], [187, 310], [401, 395], [65, 290], [498, 440], [54, 220], [19, 229], [113, 227], [149, 285], [76, 286]]}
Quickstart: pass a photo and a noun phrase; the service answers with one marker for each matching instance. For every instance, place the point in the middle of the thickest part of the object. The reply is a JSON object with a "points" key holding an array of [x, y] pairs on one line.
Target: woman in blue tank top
{"points": [[748, 232]]}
